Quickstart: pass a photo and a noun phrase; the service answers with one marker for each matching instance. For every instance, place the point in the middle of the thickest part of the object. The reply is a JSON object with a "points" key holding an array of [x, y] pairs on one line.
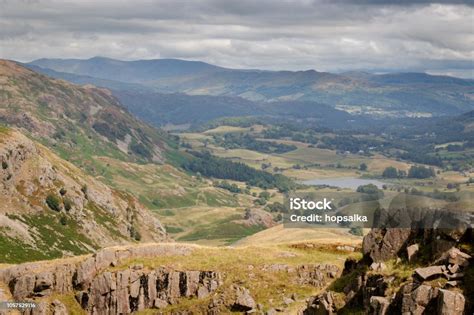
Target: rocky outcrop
{"points": [[437, 286], [100, 291], [322, 304], [136, 289], [243, 300], [36, 183], [36, 279], [122, 280], [383, 244]]}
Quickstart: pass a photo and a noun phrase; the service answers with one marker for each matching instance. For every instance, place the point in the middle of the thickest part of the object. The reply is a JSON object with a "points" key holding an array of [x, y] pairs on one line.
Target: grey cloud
{"points": [[330, 35]]}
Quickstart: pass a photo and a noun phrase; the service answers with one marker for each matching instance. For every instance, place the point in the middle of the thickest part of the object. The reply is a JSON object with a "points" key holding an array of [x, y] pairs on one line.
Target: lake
{"points": [[344, 182]]}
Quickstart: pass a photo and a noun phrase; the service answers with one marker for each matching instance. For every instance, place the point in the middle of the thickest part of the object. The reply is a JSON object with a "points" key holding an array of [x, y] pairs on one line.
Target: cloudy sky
{"points": [[326, 35]]}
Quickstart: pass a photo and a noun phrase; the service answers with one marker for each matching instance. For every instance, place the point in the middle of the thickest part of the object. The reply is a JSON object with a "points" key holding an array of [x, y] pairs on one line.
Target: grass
{"points": [[224, 230], [206, 225], [246, 267], [52, 239], [278, 235]]}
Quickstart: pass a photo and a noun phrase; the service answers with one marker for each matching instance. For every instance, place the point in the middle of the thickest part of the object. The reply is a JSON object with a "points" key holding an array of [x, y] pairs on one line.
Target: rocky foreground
{"points": [[113, 281], [400, 271], [406, 271]]}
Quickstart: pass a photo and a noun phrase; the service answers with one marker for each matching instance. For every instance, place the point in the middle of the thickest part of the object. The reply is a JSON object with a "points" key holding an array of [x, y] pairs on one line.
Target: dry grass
{"points": [[248, 267], [280, 234]]}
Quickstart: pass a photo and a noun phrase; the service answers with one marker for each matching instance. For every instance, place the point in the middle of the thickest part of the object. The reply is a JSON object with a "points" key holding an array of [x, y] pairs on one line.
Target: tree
{"points": [[421, 172], [363, 167], [265, 195], [356, 230], [390, 172]]}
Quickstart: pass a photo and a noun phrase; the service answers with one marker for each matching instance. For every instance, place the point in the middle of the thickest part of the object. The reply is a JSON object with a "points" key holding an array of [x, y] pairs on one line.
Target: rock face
{"points": [[99, 291], [322, 304], [135, 289], [383, 244], [436, 287], [113, 282]]}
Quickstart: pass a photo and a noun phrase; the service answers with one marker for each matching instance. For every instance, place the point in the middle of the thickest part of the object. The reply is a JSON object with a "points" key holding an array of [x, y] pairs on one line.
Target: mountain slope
{"points": [[414, 92], [50, 208], [127, 71], [77, 121]]}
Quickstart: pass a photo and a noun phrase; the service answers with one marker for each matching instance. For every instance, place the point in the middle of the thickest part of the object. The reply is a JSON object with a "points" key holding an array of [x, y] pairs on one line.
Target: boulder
{"points": [[379, 305], [418, 300], [378, 266], [456, 257], [243, 300], [58, 308], [450, 303], [411, 251], [429, 272], [383, 244], [322, 304]]}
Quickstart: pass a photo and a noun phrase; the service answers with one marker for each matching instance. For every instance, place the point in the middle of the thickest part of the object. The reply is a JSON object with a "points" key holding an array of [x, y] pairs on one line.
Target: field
{"points": [[281, 235], [304, 163]]}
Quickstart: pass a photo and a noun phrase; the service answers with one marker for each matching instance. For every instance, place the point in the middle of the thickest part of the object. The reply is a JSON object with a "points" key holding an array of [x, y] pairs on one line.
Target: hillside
{"points": [[390, 94], [50, 208], [88, 127], [78, 121]]}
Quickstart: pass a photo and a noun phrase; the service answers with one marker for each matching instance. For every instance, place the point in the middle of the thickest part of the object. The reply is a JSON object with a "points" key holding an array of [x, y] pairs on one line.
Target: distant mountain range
{"points": [[140, 86]]}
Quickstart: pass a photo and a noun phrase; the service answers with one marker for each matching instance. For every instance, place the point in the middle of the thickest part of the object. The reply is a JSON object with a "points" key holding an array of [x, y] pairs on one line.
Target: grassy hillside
{"points": [[79, 122], [50, 208]]}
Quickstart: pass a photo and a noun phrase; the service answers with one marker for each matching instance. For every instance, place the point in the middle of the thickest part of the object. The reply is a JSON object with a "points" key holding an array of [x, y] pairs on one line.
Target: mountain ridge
{"points": [[394, 92]]}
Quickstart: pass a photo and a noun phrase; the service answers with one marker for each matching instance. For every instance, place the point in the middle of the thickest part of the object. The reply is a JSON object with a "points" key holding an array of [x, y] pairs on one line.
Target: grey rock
{"points": [[271, 311], [452, 283], [415, 301], [382, 245], [453, 268], [455, 276], [288, 301], [378, 266], [58, 308], [411, 251], [322, 304], [428, 272], [450, 303], [379, 305], [243, 300]]}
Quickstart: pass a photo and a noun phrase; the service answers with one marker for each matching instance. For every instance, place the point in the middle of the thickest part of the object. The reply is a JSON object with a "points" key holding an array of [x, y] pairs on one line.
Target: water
{"points": [[344, 182]]}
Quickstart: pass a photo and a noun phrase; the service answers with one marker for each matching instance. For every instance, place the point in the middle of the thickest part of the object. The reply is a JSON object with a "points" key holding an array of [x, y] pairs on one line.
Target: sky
{"points": [[326, 35]]}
